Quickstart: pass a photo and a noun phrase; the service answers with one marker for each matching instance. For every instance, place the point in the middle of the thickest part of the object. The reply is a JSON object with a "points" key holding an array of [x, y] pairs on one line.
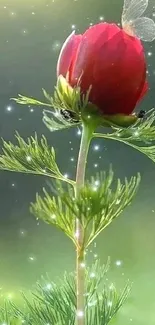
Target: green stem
{"points": [[80, 260]]}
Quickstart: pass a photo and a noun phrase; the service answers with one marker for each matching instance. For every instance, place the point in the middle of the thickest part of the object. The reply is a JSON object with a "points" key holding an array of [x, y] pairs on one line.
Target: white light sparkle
{"points": [[118, 263], [48, 286], [96, 147], [110, 303], [77, 234], [80, 313], [79, 132], [12, 14], [111, 287], [53, 216], [9, 108], [32, 258], [136, 133], [56, 46], [28, 158], [83, 265], [92, 275], [24, 31]]}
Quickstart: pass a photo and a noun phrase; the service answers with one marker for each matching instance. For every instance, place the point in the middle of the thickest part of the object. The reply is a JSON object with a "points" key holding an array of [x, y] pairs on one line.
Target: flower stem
{"points": [[80, 260]]}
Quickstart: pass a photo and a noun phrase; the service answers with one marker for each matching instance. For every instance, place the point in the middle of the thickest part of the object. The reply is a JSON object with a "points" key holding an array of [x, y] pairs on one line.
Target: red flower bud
{"points": [[110, 61]]}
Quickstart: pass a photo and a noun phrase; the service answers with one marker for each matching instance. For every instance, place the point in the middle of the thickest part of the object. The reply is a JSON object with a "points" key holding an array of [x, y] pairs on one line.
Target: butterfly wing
{"points": [[133, 9], [134, 24], [144, 28]]}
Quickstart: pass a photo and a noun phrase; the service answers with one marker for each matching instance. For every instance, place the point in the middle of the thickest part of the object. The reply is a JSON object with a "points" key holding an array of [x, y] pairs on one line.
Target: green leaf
{"points": [[55, 121], [96, 206], [70, 107], [56, 303], [106, 305], [142, 132], [65, 290], [30, 157], [7, 316], [66, 97], [29, 101], [47, 96], [94, 277], [53, 211]]}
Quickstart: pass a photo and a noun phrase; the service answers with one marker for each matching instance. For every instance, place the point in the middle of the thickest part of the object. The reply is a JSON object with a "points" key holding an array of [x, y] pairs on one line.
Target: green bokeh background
{"points": [[31, 35]]}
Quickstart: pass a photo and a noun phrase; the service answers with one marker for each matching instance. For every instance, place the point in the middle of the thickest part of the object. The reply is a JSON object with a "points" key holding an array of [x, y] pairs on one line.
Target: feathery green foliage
{"points": [[69, 108], [29, 101], [95, 207], [7, 315], [67, 105], [106, 305], [55, 304], [54, 212], [31, 157], [98, 203], [68, 98], [55, 121], [142, 132], [65, 99]]}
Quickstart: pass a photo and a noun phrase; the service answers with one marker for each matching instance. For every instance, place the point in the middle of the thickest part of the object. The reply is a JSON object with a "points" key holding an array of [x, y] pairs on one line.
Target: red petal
{"points": [[144, 91], [114, 64], [91, 40], [67, 53]]}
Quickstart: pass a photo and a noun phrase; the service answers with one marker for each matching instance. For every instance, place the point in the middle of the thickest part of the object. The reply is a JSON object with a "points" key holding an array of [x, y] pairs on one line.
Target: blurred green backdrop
{"points": [[31, 36]]}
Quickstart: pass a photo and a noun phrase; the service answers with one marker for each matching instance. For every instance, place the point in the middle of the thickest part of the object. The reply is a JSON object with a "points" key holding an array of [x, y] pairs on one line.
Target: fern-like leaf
{"points": [[57, 121], [55, 304], [29, 101], [30, 157], [96, 206], [106, 305], [143, 132], [53, 211]]}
